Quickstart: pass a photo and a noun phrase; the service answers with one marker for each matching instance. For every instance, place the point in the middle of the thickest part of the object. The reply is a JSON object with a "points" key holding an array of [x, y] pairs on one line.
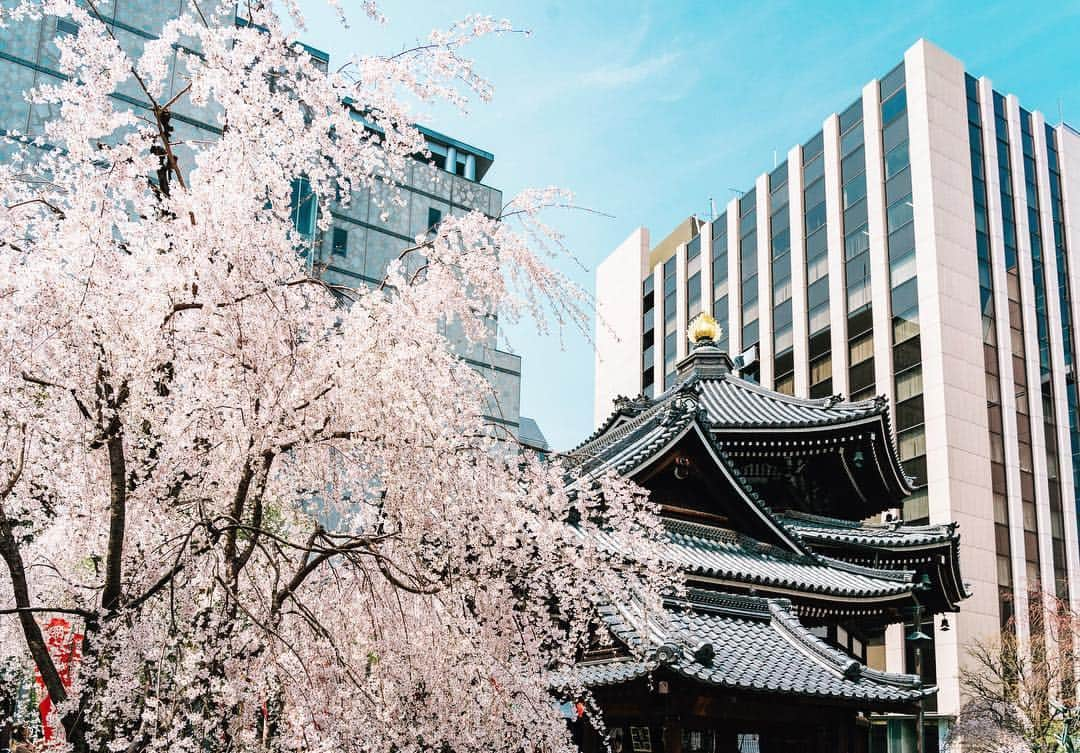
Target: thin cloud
{"points": [[618, 76]]}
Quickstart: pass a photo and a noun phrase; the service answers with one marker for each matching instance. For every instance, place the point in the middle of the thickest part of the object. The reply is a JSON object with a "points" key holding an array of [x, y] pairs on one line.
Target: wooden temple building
{"points": [[788, 591]]}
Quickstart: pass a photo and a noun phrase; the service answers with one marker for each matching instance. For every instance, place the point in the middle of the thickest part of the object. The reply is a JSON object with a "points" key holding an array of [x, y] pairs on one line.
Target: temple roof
{"points": [[721, 554], [719, 557], [634, 445], [931, 550], [826, 530], [823, 455], [735, 403], [744, 643]]}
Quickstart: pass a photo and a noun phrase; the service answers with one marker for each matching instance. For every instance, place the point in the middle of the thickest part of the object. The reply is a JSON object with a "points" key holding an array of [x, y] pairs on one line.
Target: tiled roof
{"points": [[822, 529], [727, 407], [745, 643], [641, 438], [729, 402], [736, 403], [711, 552]]}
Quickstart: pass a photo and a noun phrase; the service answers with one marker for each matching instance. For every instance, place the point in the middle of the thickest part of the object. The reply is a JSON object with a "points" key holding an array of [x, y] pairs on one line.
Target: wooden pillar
{"points": [[672, 735]]}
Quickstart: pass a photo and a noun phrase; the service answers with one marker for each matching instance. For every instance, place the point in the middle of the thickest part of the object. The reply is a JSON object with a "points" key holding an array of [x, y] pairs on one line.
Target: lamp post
{"points": [[918, 638]]}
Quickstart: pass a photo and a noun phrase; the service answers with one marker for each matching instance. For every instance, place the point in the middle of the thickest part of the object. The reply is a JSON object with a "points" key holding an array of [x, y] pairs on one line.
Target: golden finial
{"points": [[703, 329]]}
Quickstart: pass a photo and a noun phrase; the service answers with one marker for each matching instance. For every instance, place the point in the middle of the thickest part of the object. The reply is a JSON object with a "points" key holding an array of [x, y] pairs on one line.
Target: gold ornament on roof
{"points": [[703, 329]]}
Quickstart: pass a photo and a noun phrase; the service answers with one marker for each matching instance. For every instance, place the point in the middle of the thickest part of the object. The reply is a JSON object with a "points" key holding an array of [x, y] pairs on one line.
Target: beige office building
{"points": [[918, 247]]}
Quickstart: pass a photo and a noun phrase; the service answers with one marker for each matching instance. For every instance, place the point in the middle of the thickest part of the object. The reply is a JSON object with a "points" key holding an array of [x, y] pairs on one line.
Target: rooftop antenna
{"points": [[712, 209], [1061, 112], [737, 191], [774, 163]]}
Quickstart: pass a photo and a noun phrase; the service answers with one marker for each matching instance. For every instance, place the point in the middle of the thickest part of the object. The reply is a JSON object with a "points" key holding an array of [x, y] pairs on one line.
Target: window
{"points": [[894, 133], [862, 349], [340, 245], [302, 206], [894, 107], [821, 370], [434, 217], [815, 218], [854, 190], [813, 169], [903, 269], [908, 384], [816, 245], [786, 385], [851, 140], [905, 325], [818, 318], [856, 242], [781, 291], [912, 444], [852, 165], [891, 81], [783, 339], [852, 115], [814, 194], [817, 293], [66, 26], [900, 213]]}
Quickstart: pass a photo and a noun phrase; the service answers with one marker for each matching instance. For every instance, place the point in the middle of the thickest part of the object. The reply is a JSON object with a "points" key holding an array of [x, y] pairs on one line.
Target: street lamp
{"points": [[918, 638]]}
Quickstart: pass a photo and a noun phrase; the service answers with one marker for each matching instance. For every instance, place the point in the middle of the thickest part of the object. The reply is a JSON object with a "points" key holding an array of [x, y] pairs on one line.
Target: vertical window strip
{"points": [[748, 276], [856, 247], [648, 336], [1003, 546], [670, 318], [780, 274], [1057, 209], [900, 248], [720, 277], [1042, 317], [815, 234], [1018, 350]]}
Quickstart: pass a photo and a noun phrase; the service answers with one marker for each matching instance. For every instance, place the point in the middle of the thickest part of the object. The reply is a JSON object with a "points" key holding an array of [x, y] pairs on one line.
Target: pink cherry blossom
{"points": [[272, 505]]}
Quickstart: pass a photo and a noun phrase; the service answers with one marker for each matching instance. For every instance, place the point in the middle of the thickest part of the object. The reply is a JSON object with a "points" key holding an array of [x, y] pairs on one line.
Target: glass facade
{"points": [[1018, 345], [693, 278], [904, 291], [999, 483], [1042, 326], [368, 229], [1061, 254], [780, 260], [860, 320], [670, 322], [748, 275], [648, 337], [1017, 322], [720, 276], [815, 234]]}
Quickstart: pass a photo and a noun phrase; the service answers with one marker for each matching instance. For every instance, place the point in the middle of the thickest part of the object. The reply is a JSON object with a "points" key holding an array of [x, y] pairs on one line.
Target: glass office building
{"points": [[916, 247], [363, 238]]}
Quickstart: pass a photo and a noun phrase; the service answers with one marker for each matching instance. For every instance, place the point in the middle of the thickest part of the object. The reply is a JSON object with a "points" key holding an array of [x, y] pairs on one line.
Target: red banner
{"points": [[65, 648]]}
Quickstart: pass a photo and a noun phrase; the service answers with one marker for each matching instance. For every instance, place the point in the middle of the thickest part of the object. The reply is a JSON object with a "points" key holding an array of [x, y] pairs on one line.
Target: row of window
{"points": [[904, 295], [1042, 323], [1057, 214], [1002, 541], [720, 277], [1017, 343], [780, 246], [815, 234]]}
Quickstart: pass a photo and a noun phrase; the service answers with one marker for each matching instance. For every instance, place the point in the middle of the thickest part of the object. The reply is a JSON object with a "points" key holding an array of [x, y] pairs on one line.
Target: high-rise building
{"points": [[366, 235], [918, 247]]}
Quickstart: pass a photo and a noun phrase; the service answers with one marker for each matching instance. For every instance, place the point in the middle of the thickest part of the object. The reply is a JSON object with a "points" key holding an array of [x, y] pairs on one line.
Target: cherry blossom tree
{"points": [[185, 406], [1020, 691]]}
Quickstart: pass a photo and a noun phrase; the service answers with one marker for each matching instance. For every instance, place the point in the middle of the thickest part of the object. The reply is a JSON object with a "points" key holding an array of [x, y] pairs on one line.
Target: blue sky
{"points": [[647, 109]]}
